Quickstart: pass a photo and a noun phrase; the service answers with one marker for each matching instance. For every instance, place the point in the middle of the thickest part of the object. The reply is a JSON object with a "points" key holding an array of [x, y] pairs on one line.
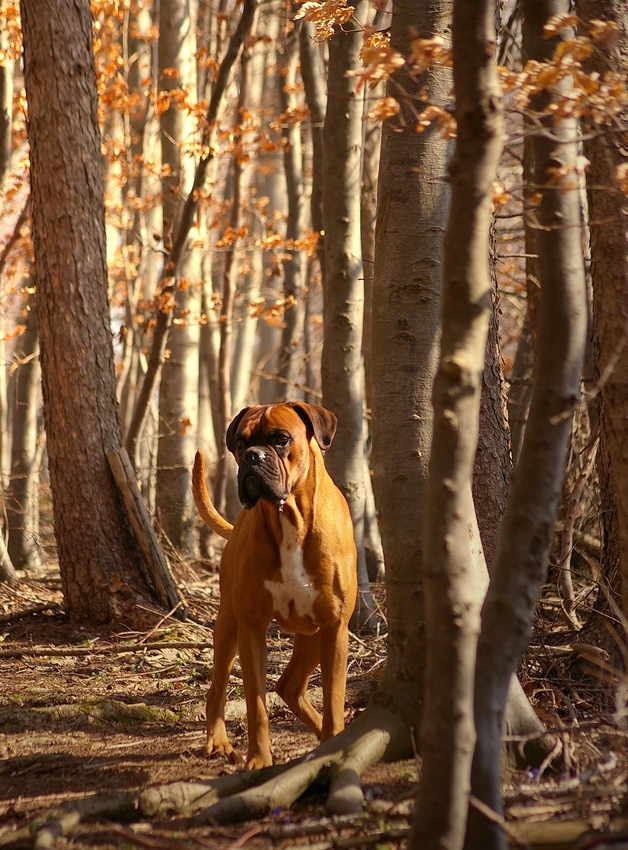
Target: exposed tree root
{"points": [[375, 735], [378, 734]]}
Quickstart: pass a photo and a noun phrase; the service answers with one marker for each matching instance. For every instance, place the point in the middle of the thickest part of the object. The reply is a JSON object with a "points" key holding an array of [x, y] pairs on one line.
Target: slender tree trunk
{"points": [[608, 223], [178, 392], [291, 354], [521, 561], [313, 74], [22, 504], [6, 120], [6, 109], [342, 369], [225, 357], [250, 288], [368, 217], [451, 604], [99, 558]]}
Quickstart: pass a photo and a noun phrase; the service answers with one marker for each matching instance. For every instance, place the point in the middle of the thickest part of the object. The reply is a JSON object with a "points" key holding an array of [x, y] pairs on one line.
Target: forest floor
{"points": [[84, 711]]}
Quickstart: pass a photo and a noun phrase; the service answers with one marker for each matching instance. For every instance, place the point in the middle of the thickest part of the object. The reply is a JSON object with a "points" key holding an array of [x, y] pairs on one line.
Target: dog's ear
{"points": [[321, 422], [231, 430]]}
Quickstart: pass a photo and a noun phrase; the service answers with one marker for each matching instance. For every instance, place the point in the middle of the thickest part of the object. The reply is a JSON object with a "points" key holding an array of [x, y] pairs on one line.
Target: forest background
{"points": [[244, 190]]}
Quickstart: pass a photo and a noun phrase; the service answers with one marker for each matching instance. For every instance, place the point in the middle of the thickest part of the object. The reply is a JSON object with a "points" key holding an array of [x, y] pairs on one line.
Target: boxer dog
{"points": [[290, 557]]}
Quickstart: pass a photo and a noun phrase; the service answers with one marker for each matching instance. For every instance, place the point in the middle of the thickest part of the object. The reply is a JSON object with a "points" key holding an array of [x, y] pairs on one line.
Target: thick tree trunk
{"points": [[178, 391], [98, 556], [413, 203], [342, 370], [608, 223], [527, 528], [22, 505], [451, 603]]}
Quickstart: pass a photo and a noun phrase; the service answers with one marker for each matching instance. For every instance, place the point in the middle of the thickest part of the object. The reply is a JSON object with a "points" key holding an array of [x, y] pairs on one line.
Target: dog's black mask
{"points": [[258, 476]]}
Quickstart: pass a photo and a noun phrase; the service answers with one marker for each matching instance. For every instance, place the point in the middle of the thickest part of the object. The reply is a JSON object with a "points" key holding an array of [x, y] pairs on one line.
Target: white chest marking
{"points": [[295, 594]]}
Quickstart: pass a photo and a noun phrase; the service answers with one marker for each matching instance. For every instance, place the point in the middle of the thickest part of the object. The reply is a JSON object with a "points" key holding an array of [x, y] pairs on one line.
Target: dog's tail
{"points": [[204, 506]]}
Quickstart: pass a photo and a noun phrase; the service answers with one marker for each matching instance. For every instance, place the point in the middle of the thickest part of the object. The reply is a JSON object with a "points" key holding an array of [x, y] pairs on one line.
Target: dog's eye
{"points": [[281, 441], [240, 444]]}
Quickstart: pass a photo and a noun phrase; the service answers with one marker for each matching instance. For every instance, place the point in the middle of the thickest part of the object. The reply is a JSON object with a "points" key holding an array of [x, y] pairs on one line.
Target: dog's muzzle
{"points": [[259, 476]]}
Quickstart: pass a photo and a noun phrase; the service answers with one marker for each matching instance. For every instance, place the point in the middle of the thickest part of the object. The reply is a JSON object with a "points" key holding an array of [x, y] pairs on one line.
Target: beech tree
{"points": [[606, 180], [99, 558], [178, 391], [451, 601], [342, 368], [523, 550]]}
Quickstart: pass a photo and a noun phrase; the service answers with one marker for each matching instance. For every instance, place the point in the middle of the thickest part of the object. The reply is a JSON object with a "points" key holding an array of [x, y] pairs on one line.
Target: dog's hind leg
{"points": [[225, 648], [292, 686]]}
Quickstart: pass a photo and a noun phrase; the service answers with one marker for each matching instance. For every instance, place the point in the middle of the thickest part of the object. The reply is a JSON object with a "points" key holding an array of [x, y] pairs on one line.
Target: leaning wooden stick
{"points": [[145, 533]]}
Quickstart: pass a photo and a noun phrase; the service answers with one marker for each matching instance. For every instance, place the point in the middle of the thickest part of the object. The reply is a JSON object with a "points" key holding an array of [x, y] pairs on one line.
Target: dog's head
{"points": [[271, 444]]}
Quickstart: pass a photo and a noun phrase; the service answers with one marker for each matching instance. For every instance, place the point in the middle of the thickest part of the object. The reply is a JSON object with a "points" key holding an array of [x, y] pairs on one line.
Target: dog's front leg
{"points": [[252, 647], [334, 644]]}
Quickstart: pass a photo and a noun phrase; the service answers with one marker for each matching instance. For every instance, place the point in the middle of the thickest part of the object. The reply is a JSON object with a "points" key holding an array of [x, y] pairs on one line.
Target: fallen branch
{"points": [[79, 652], [139, 517], [68, 817], [5, 619]]}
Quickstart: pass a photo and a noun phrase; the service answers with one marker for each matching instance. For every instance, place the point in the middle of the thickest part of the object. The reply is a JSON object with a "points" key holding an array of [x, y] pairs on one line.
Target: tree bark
{"points": [[451, 603], [22, 505], [225, 356], [291, 354], [98, 556], [492, 466], [608, 223], [413, 203], [342, 370], [178, 391], [313, 75], [521, 560]]}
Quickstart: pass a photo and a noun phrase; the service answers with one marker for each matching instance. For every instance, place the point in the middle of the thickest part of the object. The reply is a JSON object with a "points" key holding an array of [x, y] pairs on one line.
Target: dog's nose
{"points": [[253, 455]]}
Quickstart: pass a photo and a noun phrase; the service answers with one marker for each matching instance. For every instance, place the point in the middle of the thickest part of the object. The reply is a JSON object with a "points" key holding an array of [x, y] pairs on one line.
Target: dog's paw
{"points": [[258, 761], [219, 748]]}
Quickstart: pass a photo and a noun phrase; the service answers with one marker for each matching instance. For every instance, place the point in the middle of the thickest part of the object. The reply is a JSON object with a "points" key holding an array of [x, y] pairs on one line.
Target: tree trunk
{"points": [[342, 370], [6, 121], [22, 504], [451, 603], [413, 203], [225, 356], [521, 560], [99, 558], [178, 392], [492, 466], [608, 223], [368, 217], [313, 74], [6, 109], [291, 354], [521, 386]]}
